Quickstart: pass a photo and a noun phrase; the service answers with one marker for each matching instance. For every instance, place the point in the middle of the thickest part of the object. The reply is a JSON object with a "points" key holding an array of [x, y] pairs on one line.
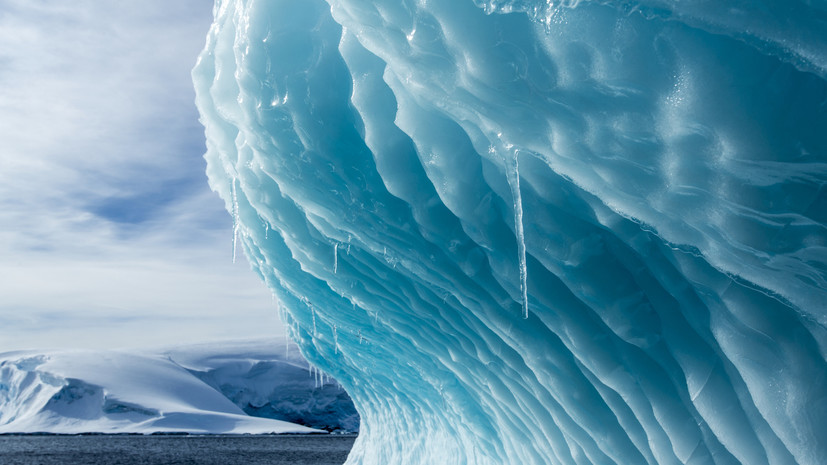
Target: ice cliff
{"points": [[535, 232]]}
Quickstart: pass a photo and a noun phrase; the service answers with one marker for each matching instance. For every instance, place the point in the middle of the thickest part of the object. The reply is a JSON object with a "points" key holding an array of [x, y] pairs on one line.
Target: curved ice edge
{"points": [[362, 147]]}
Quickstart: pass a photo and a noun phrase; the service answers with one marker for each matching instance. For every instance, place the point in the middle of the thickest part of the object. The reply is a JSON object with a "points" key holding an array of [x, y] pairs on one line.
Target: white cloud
{"points": [[108, 231]]}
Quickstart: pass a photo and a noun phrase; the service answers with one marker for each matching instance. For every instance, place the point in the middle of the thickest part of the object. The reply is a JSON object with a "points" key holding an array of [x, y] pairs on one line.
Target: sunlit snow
{"points": [[185, 389]]}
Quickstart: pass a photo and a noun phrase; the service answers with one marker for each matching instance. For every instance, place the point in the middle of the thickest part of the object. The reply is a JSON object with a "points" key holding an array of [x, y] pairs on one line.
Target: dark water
{"points": [[174, 450]]}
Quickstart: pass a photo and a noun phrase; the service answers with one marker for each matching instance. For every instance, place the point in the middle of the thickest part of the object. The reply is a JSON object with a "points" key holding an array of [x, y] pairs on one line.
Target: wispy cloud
{"points": [[105, 213]]}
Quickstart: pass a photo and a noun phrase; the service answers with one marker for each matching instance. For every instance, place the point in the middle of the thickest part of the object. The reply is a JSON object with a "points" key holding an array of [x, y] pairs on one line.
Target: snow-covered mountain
{"points": [[178, 389], [269, 379]]}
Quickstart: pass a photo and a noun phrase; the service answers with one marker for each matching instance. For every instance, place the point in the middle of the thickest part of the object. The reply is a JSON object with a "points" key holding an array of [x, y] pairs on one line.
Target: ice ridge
{"points": [[648, 180]]}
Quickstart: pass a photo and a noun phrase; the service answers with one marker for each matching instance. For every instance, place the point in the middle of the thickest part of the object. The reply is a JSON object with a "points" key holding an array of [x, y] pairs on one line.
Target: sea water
{"points": [[182, 450]]}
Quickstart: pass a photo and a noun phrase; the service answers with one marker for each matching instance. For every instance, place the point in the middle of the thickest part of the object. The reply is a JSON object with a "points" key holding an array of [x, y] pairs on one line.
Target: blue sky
{"points": [[109, 234]]}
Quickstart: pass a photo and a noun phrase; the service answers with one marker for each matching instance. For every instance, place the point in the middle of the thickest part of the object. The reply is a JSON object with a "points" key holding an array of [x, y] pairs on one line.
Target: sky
{"points": [[109, 234]]}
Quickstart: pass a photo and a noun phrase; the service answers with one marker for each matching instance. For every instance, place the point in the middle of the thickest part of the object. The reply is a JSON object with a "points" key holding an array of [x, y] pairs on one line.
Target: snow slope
{"points": [[126, 392], [266, 378]]}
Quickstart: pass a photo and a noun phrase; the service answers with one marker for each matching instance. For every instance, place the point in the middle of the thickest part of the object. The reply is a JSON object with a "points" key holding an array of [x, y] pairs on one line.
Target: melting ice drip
{"points": [[674, 219]]}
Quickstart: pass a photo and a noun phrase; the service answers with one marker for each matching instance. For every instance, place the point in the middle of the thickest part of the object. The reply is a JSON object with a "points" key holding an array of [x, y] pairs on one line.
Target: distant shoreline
{"points": [[161, 433]]}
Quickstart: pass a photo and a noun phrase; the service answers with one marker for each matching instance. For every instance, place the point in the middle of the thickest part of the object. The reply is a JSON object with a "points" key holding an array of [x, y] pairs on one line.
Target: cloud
{"points": [[105, 212]]}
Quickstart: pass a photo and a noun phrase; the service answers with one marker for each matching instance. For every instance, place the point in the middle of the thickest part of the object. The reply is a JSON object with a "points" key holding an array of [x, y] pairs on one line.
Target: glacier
{"points": [[539, 232], [256, 386], [268, 378]]}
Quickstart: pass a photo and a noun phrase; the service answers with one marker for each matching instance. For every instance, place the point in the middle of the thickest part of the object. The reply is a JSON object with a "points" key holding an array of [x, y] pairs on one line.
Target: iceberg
{"points": [[539, 232]]}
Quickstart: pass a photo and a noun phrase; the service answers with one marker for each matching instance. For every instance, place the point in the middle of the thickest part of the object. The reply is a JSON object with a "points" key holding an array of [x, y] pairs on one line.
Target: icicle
{"points": [[513, 175], [285, 324], [286, 342], [236, 223], [335, 257], [335, 340], [266, 230]]}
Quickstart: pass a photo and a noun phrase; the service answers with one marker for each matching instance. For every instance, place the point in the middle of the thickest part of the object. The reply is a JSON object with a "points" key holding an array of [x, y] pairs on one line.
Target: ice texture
{"points": [[647, 179]]}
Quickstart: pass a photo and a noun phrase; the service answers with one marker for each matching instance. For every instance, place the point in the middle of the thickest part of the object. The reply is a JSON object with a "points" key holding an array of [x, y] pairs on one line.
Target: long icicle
{"points": [[236, 223], [514, 182]]}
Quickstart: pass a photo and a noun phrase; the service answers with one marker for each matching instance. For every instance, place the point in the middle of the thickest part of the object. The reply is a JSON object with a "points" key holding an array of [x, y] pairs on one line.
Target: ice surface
{"points": [[196, 389], [671, 203]]}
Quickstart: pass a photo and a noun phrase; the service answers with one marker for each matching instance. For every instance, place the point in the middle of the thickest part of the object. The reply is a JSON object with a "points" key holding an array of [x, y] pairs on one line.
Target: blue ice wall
{"points": [[525, 232]]}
